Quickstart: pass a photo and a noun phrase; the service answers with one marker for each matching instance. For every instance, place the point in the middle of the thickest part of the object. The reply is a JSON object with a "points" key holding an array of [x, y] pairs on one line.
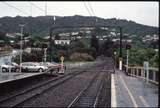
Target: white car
{"points": [[13, 66], [53, 65], [33, 66]]}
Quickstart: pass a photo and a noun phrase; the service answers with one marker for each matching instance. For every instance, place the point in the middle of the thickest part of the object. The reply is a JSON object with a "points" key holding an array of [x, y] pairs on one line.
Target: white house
{"points": [[62, 42]]}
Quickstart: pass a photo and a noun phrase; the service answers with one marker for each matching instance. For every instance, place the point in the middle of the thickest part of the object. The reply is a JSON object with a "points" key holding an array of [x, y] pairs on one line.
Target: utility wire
{"points": [[87, 8], [91, 8], [37, 7], [15, 8], [92, 11]]}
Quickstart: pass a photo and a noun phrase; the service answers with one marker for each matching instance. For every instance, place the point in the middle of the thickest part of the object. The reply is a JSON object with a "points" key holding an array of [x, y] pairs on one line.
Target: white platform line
{"points": [[129, 92], [113, 92], [144, 101]]}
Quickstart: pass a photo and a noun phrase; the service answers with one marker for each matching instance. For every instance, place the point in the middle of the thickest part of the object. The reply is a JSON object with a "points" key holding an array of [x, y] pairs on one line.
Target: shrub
{"points": [[81, 57]]}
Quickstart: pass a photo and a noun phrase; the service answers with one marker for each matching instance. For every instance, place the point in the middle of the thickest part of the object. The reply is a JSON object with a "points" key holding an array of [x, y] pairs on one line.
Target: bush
{"points": [[81, 57], [29, 57]]}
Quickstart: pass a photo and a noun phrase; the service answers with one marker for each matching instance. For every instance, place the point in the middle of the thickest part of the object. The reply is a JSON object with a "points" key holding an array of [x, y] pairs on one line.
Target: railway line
{"points": [[89, 95], [36, 90]]}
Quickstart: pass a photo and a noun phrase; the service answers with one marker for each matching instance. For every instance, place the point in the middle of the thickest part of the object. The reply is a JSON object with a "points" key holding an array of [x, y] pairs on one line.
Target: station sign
{"points": [[145, 65]]}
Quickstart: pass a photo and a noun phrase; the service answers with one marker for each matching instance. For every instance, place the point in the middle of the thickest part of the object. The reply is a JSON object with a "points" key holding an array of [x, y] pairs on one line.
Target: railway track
{"points": [[17, 99], [23, 96], [89, 96]]}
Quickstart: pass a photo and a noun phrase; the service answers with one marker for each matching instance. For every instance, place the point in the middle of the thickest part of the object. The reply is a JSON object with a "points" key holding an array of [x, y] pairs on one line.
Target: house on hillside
{"points": [[62, 42]]}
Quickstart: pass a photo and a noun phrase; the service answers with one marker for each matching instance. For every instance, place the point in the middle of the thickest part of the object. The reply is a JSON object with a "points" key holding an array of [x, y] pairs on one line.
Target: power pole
{"points": [[50, 44], [51, 32], [120, 51], [21, 46]]}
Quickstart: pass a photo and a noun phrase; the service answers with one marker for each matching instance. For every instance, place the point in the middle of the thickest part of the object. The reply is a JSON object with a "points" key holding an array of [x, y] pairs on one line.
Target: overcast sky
{"points": [[146, 13]]}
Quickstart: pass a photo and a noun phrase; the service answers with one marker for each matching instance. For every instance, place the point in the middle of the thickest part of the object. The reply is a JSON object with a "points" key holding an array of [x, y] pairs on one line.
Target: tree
{"points": [[4, 37], [138, 55], [57, 37], [107, 48]]}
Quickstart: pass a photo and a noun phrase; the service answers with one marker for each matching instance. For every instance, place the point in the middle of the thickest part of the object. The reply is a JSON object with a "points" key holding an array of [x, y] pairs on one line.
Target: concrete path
{"points": [[129, 91]]}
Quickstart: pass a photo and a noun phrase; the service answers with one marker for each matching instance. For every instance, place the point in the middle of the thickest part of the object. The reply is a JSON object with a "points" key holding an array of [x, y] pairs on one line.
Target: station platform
{"points": [[130, 91], [9, 77]]}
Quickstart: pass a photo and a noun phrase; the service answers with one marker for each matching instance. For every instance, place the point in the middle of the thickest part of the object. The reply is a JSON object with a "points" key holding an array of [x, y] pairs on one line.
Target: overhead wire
{"points": [[91, 8], [15, 8], [37, 7], [87, 9], [92, 11]]}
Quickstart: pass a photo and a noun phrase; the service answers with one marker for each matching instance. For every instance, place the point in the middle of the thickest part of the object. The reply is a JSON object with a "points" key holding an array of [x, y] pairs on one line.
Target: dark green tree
{"points": [[57, 37]]}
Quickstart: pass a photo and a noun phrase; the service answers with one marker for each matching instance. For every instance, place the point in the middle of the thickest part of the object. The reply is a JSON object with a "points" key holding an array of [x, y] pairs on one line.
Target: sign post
{"points": [[146, 70], [62, 60]]}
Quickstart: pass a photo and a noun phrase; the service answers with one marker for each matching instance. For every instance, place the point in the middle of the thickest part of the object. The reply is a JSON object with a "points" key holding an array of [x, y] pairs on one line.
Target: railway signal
{"points": [[128, 46]]}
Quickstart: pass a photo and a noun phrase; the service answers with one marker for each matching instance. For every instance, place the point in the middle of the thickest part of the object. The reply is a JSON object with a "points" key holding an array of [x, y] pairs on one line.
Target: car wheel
{"points": [[17, 70], [40, 70], [26, 69], [4, 70]]}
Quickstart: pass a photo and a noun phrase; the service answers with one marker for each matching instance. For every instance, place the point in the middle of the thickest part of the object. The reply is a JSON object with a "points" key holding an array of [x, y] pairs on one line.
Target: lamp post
{"points": [[21, 46]]}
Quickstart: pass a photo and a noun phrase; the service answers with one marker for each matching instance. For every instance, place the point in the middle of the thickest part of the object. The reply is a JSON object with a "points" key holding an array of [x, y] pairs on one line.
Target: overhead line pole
{"points": [[120, 50], [50, 44], [21, 47], [51, 35]]}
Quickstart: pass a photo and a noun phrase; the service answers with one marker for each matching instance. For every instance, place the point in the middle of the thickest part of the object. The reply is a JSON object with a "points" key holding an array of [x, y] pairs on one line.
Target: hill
{"points": [[40, 25]]}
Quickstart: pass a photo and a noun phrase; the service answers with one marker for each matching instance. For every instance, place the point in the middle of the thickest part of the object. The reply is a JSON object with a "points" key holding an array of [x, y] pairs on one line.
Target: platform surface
{"points": [[133, 92], [7, 77]]}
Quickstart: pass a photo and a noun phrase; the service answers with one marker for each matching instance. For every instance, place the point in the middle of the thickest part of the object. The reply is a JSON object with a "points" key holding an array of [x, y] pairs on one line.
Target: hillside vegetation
{"points": [[39, 26]]}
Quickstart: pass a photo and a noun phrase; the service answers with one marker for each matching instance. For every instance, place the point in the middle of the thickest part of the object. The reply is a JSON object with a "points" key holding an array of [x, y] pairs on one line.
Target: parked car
{"points": [[53, 65], [33, 66], [10, 65], [58, 65]]}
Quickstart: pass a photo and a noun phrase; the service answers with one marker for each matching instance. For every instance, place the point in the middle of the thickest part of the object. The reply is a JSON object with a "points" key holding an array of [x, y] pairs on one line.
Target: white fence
{"points": [[139, 72]]}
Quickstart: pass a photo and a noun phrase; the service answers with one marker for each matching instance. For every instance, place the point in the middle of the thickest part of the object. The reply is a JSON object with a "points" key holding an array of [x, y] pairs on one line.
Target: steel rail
{"points": [[80, 95]]}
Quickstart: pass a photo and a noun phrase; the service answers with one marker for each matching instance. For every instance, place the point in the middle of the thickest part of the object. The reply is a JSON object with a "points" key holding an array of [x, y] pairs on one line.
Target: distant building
{"points": [[123, 40], [47, 37], [28, 50], [150, 38], [62, 42]]}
